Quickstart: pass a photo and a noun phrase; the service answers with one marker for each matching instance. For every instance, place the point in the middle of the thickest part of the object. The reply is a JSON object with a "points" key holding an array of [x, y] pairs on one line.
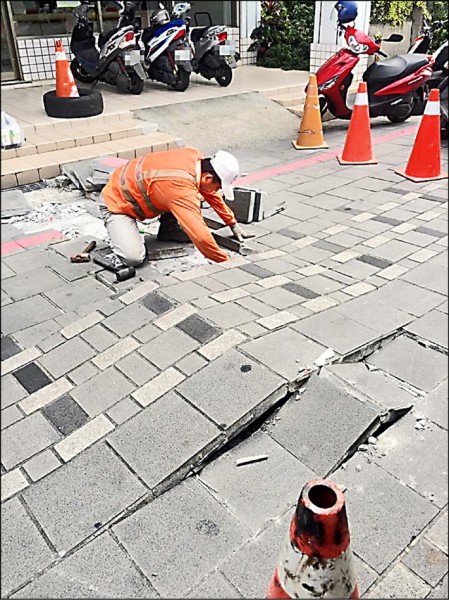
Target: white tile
{"points": [[403, 228], [18, 360], [422, 255], [275, 281], [268, 254], [222, 344], [158, 386], [13, 482], [78, 326], [45, 395], [115, 353], [392, 272], [277, 320], [428, 216], [191, 274], [311, 270], [376, 241], [319, 304], [139, 292], [358, 289], [345, 256], [229, 295], [83, 437], [366, 216], [175, 316], [305, 241], [335, 229]]}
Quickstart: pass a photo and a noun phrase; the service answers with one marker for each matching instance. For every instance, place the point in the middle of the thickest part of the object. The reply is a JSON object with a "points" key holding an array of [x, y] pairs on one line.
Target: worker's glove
{"points": [[240, 234]]}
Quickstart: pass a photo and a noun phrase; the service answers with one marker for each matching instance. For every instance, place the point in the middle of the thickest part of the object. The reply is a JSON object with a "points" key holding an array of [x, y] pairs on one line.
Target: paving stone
{"points": [[329, 246], [228, 315], [51, 342], [45, 395], [31, 377], [257, 307], [136, 368], [432, 327], [157, 303], [222, 344], [66, 357], [395, 250], [158, 386], [429, 276], [126, 321], [10, 415], [175, 316], [26, 438], [199, 329], [82, 373], [240, 488], [400, 582], [293, 352], [12, 483], [201, 526], [252, 330], [114, 353], [41, 465], [9, 347], [432, 232], [102, 391], [275, 321], [441, 591], [278, 266], [65, 415], [186, 291], [234, 294], [230, 372], [31, 284], [168, 348], [256, 270], [300, 420], [214, 586], [407, 297], [138, 292], [79, 326], [366, 312], [73, 295], [375, 261], [410, 362], [280, 297], [26, 313], [365, 575], [82, 438], [11, 390], [438, 533], [98, 570], [435, 406], [191, 364], [163, 439], [24, 551], [95, 487], [392, 272], [32, 260], [18, 360], [37, 333], [291, 234], [427, 561], [387, 220], [384, 526], [272, 282], [123, 410]]}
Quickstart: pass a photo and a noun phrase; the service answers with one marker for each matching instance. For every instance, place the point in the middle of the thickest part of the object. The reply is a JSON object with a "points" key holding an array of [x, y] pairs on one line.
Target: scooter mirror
{"points": [[394, 37]]}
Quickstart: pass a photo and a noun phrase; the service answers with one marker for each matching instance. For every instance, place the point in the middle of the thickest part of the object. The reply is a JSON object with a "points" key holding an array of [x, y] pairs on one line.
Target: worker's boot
{"points": [[170, 230]]}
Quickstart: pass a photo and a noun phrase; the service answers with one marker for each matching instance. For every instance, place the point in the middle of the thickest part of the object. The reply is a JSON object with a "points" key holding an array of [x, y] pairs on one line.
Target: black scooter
{"points": [[118, 62]]}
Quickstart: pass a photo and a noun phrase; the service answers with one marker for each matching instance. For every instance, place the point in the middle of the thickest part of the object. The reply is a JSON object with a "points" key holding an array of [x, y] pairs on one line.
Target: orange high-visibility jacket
{"points": [[168, 181]]}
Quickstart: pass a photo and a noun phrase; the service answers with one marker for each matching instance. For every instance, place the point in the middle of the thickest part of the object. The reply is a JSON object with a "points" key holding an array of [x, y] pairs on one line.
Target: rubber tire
{"points": [[182, 81], [224, 76], [136, 83], [79, 74], [89, 104], [393, 118]]}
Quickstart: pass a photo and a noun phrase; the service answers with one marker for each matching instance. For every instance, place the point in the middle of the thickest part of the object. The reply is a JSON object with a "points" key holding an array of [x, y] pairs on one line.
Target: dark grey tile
{"points": [[433, 232], [375, 261], [199, 329], [32, 377], [9, 347], [65, 414], [300, 290], [292, 234], [387, 220], [157, 303], [433, 198], [256, 270], [336, 248]]}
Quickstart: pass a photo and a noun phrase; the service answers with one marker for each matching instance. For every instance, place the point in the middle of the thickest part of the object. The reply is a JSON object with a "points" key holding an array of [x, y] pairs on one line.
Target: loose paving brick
{"points": [[231, 371], [26, 438], [41, 465], [95, 487], [24, 551], [432, 327], [12, 483], [66, 357], [65, 415], [199, 523], [164, 439], [199, 329], [102, 391], [126, 321], [31, 377], [9, 347]]}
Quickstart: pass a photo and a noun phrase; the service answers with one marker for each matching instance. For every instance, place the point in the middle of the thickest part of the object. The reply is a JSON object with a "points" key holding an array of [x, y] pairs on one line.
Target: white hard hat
{"points": [[226, 166]]}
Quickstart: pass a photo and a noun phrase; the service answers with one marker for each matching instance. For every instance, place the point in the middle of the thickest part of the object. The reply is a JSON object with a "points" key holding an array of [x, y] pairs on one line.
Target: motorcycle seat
{"points": [[394, 68], [196, 33]]}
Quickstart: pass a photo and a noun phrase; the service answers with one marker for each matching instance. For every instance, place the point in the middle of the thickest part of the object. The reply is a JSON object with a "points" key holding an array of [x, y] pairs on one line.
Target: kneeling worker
{"points": [[169, 184]]}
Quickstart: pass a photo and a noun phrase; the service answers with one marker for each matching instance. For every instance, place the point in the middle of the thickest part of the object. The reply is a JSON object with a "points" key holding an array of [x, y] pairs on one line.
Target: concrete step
{"points": [[29, 169]]}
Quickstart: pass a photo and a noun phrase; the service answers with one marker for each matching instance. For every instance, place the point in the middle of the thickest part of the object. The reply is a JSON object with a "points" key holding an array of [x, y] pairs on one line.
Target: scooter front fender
{"points": [[334, 78]]}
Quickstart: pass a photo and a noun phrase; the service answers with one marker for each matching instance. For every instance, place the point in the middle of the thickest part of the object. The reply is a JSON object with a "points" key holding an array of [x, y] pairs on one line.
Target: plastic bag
{"points": [[11, 132]]}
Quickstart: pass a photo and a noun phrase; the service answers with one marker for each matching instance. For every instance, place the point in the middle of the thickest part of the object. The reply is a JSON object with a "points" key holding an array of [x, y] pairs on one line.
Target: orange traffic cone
{"points": [[358, 149], [317, 560], [424, 163], [310, 134], [65, 83]]}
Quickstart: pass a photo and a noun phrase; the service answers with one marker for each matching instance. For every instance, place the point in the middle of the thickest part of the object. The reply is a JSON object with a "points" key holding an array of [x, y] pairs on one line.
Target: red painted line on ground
{"points": [[31, 240], [312, 160]]}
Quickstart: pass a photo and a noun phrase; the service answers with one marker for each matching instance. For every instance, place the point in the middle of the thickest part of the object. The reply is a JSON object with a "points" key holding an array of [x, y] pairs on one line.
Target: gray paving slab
{"points": [[11, 390], [214, 586], [41, 465], [168, 348], [10, 415], [102, 391], [228, 315], [282, 298], [384, 514], [427, 561], [136, 368], [407, 297], [30, 284], [400, 582], [356, 269], [92, 488], [285, 351], [432, 327], [394, 250], [256, 492], [123, 410], [26, 313], [66, 357], [277, 265], [9, 347], [429, 276], [186, 291], [24, 551], [441, 590], [98, 570], [82, 373], [99, 337], [380, 263], [236, 277], [412, 363], [199, 329], [73, 295], [157, 303], [255, 306], [129, 319], [438, 533], [31, 377], [31, 260], [315, 434], [365, 310], [409, 452], [240, 385], [435, 405], [164, 438], [330, 329], [191, 363], [26, 438], [202, 527]]}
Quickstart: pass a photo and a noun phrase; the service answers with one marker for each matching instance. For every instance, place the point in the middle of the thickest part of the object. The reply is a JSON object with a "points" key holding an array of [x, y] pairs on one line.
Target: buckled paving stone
{"points": [[102, 391], [366, 312], [300, 290], [407, 297], [32, 377], [430, 276], [374, 261], [199, 329], [65, 414], [9, 347], [157, 303]]}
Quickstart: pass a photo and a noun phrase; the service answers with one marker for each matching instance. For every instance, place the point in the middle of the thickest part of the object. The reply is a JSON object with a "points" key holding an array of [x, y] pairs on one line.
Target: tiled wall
{"points": [[248, 58], [319, 53], [37, 57]]}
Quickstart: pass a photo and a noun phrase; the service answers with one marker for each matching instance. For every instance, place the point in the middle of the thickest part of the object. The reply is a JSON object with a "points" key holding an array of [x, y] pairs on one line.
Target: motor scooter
{"points": [[118, 60], [395, 86], [444, 120], [422, 44]]}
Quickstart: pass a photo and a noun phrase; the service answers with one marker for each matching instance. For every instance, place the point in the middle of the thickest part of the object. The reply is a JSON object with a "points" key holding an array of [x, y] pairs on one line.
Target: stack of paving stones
{"points": [[112, 395]]}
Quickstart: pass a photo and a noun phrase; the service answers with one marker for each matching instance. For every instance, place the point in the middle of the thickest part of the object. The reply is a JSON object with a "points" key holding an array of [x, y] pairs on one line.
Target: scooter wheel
{"points": [[89, 104], [182, 81], [224, 76], [79, 73], [401, 113], [136, 84]]}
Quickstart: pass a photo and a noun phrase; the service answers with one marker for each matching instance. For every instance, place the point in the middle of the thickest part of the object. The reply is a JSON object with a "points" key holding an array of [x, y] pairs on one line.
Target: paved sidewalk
{"points": [[113, 394]]}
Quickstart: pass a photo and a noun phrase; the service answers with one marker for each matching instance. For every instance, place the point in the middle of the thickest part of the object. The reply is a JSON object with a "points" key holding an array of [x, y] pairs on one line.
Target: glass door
{"points": [[9, 63]]}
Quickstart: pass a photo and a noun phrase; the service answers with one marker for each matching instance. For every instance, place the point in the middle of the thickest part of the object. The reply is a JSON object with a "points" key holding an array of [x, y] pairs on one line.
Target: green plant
{"points": [[439, 13], [395, 12]]}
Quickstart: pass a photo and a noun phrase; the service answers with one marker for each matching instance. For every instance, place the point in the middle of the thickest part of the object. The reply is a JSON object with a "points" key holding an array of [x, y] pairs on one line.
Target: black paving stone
{"points": [[9, 347], [65, 414], [375, 261], [32, 377], [199, 329], [387, 220], [292, 234], [157, 303], [432, 232], [336, 248], [300, 290], [257, 271]]}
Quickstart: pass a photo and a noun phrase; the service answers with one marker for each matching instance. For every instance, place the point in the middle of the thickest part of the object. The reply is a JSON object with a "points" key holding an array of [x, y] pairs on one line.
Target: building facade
{"points": [[29, 30]]}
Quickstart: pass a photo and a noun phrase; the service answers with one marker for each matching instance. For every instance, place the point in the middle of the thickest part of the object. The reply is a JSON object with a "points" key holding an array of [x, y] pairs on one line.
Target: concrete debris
{"points": [[421, 424], [14, 204], [363, 448], [358, 468], [372, 440], [92, 175], [251, 459], [325, 358]]}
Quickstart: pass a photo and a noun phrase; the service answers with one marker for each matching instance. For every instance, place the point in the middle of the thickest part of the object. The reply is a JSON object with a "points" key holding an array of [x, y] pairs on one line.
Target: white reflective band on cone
{"points": [[432, 108], [324, 578], [361, 99]]}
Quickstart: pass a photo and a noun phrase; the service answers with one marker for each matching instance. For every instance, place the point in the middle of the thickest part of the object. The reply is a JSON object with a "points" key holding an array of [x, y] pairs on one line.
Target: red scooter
{"points": [[395, 86]]}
